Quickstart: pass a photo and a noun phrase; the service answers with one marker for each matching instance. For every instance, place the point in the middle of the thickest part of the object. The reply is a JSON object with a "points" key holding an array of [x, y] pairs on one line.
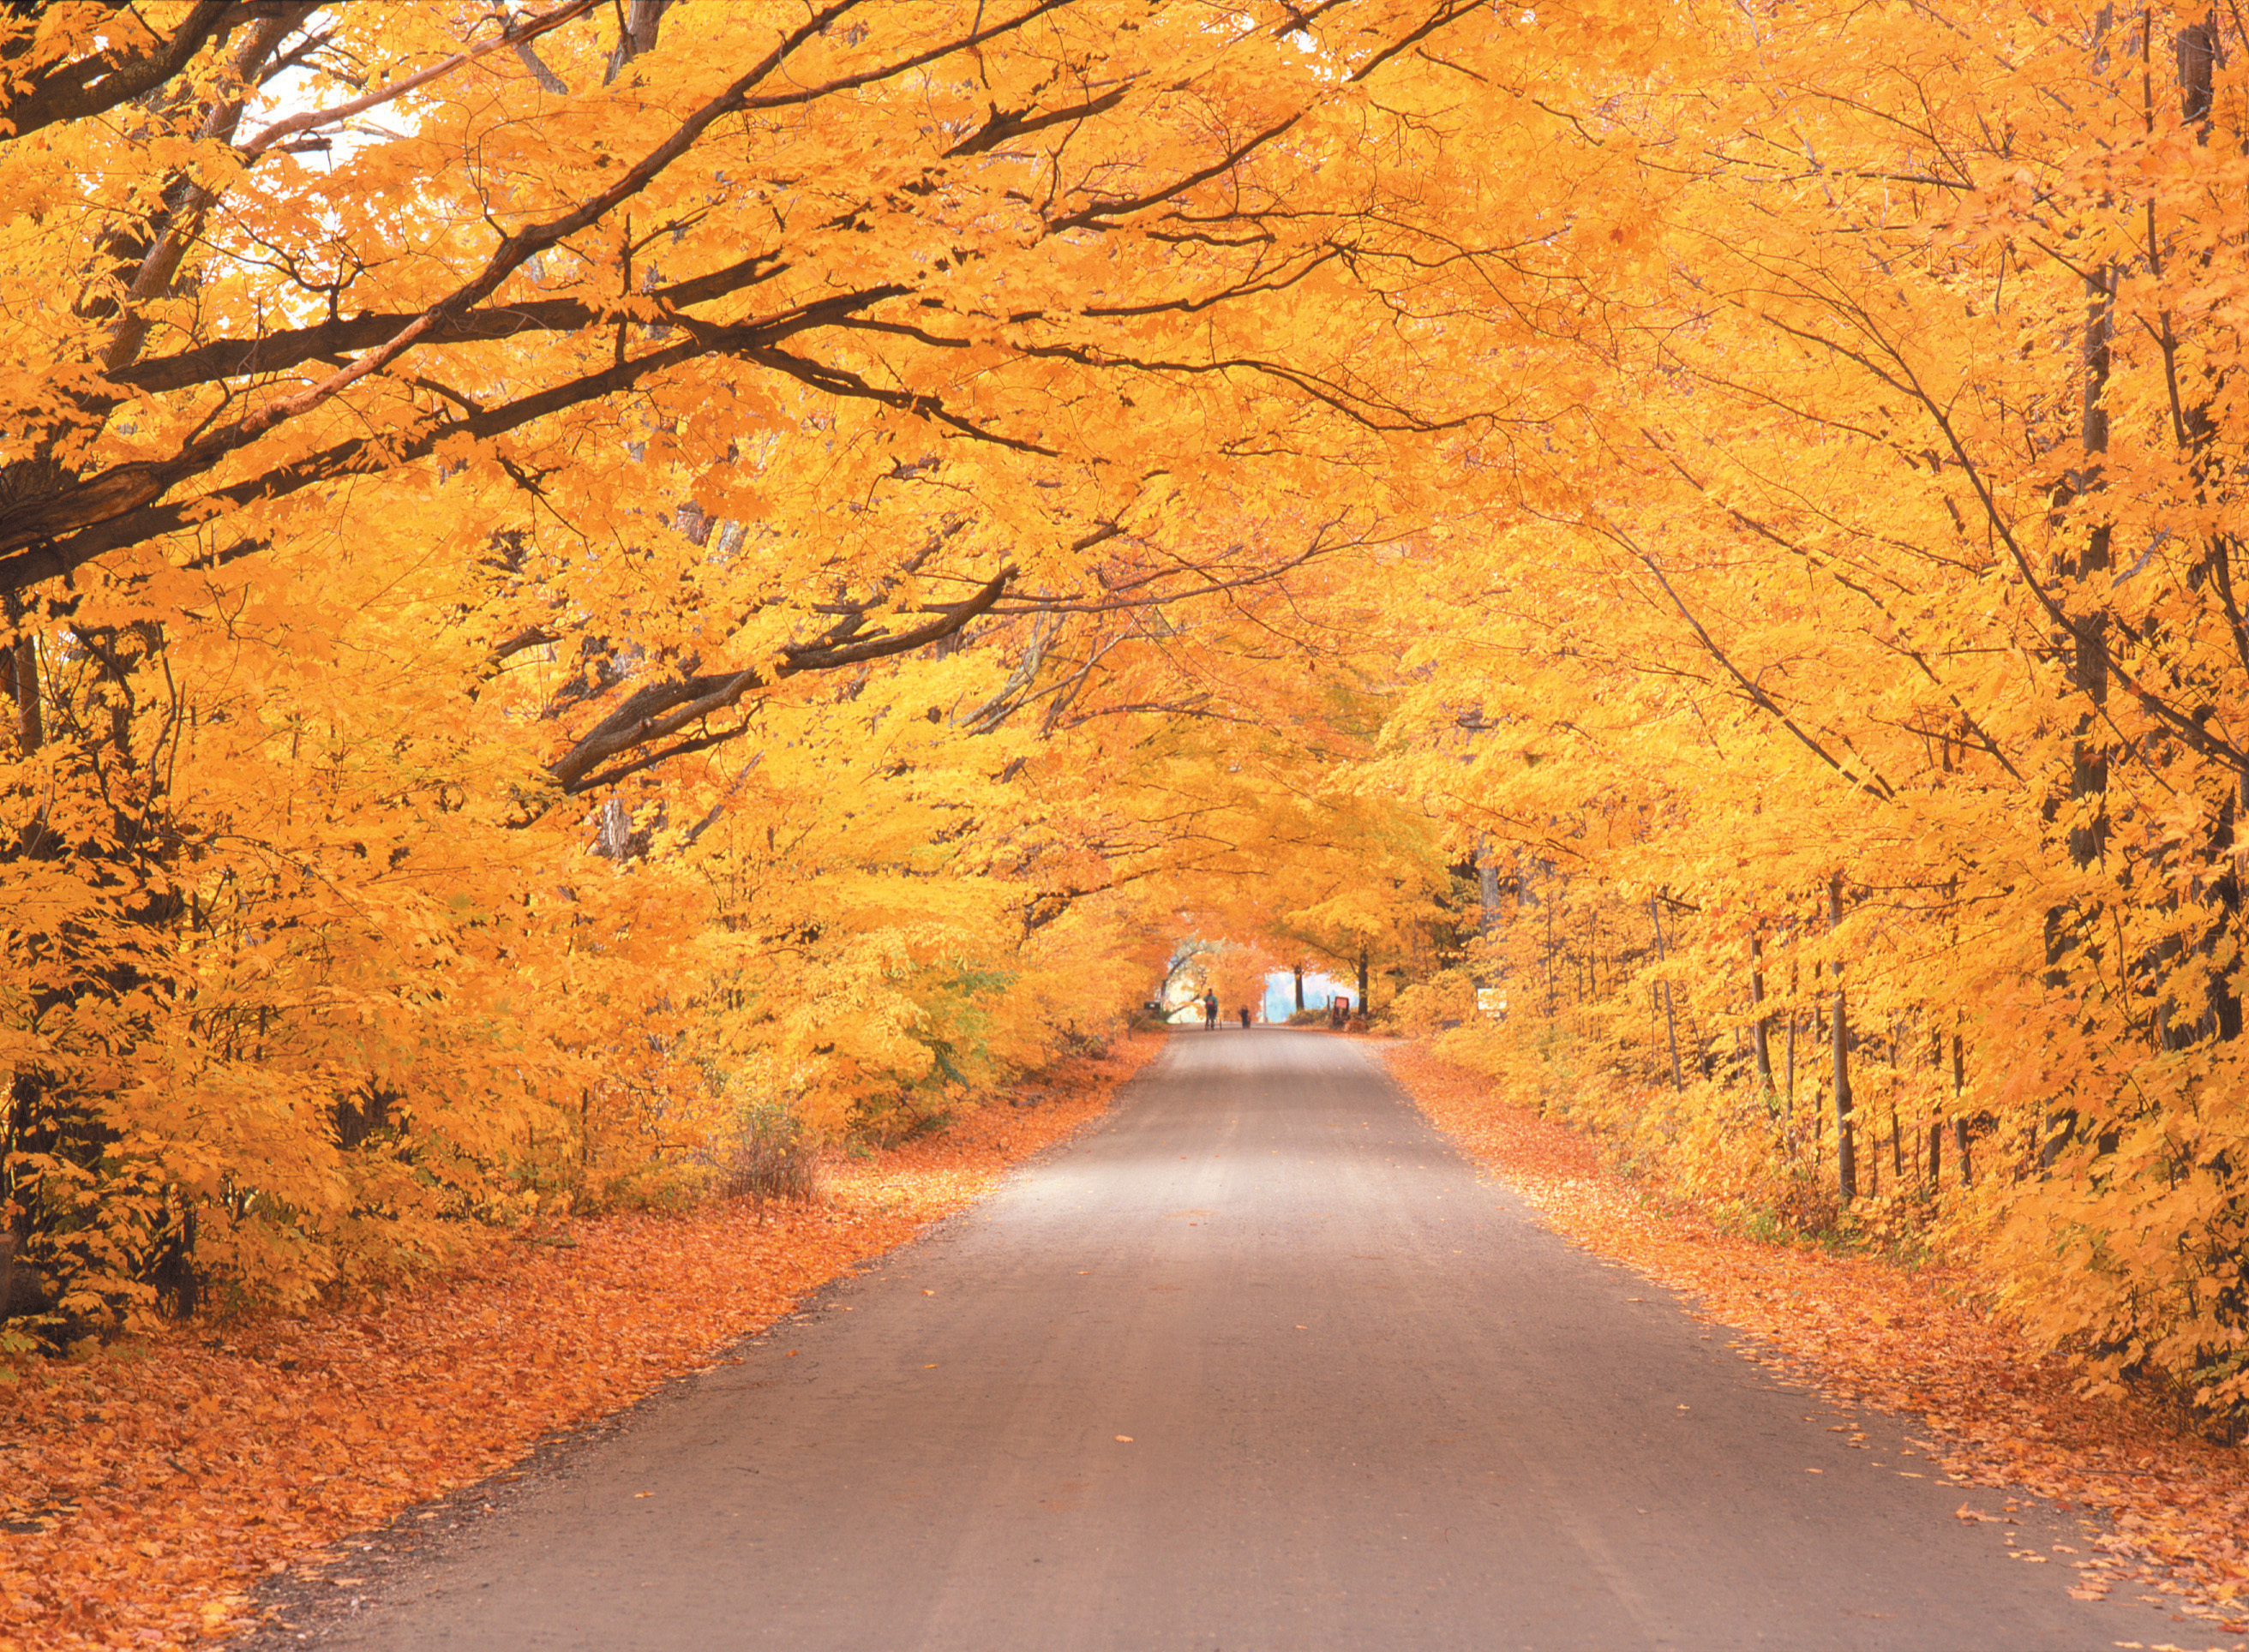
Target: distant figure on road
{"points": [[1245, 1018], [1210, 1011]]}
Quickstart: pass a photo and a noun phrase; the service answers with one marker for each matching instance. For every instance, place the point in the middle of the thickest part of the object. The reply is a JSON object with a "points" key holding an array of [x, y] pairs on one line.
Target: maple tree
{"points": [[1860, 748], [464, 475], [576, 579]]}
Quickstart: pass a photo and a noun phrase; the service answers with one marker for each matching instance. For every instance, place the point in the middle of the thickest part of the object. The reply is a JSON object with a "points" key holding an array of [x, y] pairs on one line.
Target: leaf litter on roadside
{"points": [[1917, 1342], [145, 1489]]}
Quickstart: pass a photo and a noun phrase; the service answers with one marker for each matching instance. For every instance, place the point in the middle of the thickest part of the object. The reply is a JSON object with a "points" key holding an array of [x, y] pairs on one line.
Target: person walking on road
{"points": [[1210, 1010]]}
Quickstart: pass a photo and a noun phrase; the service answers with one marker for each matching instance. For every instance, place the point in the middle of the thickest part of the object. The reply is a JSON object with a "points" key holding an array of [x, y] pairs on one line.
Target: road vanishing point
{"points": [[1259, 1361]]}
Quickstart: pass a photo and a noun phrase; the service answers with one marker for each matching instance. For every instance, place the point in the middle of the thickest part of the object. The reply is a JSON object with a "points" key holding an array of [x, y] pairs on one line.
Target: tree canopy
{"points": [[574, 576]]}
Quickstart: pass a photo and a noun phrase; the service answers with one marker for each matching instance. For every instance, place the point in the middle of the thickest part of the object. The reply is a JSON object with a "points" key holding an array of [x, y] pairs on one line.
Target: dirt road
{"points": [[1258, 1364]]}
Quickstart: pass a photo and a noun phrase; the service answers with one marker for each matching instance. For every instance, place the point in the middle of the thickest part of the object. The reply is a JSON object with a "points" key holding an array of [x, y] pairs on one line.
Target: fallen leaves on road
{"points": [[145, 1489], [1912, 1342]]}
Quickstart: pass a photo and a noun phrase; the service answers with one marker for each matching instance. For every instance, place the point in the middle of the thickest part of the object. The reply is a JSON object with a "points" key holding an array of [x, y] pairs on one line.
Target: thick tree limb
{"points": [[657, 710], [126, 506], [83, 86], [51, 537], [224, 359]]}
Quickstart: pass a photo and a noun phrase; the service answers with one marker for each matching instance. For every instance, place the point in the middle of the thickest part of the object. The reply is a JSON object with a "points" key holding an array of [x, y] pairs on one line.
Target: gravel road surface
{"points": [[1257, 1363]]}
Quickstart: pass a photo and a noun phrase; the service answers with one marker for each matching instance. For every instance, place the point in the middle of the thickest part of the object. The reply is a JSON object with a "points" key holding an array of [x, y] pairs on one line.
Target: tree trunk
{"points": [[1959, 1124], [1670, 1019], [642, 20], [1846, 1169], [1760, 1040], [2199, 52], [2084, 639], [2089, 641], [2088, 644], [1549, 960], [19, 677], [1488, 895], [1936, 1122]]}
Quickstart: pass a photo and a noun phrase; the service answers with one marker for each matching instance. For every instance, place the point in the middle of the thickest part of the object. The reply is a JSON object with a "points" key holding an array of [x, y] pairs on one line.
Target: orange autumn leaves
{"points": [[145, 1489], [756, 567], [566, 588], [1882, 637]]}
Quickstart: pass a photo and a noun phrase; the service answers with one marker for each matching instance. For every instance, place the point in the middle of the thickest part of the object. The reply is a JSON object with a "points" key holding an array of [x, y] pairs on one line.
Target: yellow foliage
{"points": [[563, 591]]}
